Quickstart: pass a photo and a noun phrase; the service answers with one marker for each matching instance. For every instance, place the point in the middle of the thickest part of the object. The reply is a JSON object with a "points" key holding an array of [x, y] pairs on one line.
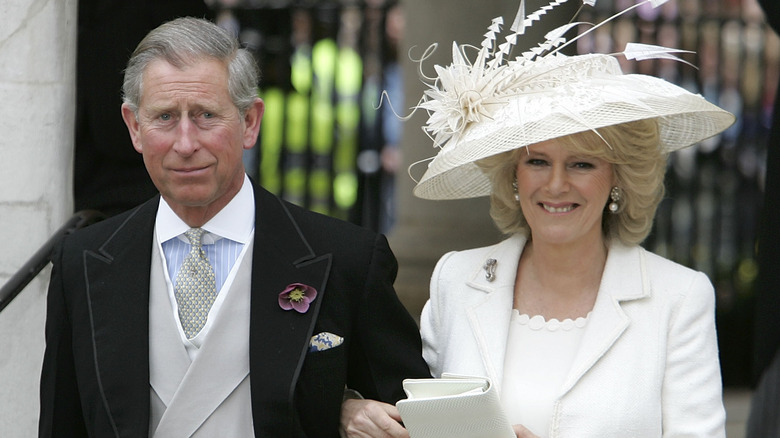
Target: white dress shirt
{"points": [[225, 243]]}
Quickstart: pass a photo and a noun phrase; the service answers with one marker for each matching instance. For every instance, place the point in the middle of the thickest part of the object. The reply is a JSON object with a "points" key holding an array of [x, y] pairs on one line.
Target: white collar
{"points": [[236, 221]]}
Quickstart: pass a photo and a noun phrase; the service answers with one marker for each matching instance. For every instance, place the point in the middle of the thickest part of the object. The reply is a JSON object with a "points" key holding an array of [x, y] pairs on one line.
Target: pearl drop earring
{"points": [[514, 186], [614, 194]]}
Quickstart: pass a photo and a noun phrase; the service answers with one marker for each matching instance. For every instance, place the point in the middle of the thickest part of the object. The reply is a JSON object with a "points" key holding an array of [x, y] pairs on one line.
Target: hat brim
{"points": [[534, 116]]}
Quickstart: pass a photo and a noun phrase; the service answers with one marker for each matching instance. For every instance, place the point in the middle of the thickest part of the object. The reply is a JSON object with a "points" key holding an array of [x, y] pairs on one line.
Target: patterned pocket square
{"points": [[324, 341]]}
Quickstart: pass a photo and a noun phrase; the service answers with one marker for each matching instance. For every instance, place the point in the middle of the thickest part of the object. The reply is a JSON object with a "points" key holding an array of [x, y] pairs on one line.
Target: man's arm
{"points": [[388, 347], [389, 350], [60, 405]]}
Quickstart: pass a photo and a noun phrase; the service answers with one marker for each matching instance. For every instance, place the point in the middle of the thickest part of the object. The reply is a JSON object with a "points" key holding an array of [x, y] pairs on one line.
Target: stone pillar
{"points": [[425, 230], [37, 91]]}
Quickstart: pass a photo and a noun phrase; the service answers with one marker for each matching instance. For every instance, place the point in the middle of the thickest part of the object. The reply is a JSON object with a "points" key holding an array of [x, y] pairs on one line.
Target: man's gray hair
{"points": [[182, 42]]}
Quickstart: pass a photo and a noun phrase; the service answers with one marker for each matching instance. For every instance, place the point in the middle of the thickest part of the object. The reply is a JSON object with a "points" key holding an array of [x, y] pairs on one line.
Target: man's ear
{"points": [[252, 119], [132, 127]]}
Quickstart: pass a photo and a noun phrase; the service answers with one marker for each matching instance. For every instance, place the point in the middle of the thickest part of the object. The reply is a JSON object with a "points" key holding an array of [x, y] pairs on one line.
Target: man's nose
{"points": [[186, 137]]}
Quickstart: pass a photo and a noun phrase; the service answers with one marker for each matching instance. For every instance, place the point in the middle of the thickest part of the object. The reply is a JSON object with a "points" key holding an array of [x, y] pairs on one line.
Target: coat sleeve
{"points": [[430, 321], [692, 389], [389, 348], [60, 407]]}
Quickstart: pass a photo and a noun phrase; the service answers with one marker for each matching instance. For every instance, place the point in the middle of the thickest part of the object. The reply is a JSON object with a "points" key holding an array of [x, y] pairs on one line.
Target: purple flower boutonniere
{"points": [[297, 296]]}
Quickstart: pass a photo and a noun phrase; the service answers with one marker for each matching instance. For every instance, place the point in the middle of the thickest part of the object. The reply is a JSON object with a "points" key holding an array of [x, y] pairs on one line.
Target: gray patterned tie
{"points": [[195, 288]]}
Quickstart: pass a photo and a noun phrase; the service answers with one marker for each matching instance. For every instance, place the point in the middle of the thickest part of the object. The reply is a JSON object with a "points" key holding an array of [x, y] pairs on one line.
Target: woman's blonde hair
{"points": [[638, 163]]}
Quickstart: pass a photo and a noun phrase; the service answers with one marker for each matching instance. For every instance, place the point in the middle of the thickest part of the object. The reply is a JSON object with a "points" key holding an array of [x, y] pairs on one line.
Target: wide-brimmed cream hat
{"points": [[482, 108]]}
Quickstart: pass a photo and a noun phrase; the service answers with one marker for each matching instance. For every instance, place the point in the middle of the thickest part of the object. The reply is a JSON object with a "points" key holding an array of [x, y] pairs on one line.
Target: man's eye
{"points": [[208, 115], [165, 117]]}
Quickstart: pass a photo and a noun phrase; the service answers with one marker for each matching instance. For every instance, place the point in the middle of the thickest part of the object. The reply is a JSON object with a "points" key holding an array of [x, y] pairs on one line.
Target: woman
{"points": [[584, 333]]}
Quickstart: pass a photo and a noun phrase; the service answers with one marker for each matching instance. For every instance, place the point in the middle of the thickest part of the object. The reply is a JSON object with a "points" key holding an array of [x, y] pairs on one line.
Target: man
{"points": [[251, 325]]}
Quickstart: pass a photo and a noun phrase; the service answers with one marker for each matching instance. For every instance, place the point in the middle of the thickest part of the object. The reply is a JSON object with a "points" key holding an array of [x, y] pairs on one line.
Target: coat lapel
{"points": [[279, 339], [120, 338], [489, 319], [608, 321]]}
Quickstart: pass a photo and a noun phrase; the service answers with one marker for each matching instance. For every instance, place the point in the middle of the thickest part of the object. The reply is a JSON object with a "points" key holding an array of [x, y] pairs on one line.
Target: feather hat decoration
{"points": [[493, 103]]}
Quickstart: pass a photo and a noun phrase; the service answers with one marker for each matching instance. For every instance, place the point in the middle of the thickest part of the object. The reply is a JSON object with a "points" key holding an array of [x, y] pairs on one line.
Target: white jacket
{"points": [[648, 364]]}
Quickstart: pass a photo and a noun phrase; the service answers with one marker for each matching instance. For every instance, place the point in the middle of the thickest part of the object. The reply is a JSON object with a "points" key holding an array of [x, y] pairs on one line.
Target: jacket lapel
{"points": [[608, 321], [120, 338], [279, 339], [489, 319]]}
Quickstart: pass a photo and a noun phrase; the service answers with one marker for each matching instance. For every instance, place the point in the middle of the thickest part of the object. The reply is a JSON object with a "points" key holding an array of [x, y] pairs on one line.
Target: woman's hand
{"points": [[520, 431], [370, 418]]}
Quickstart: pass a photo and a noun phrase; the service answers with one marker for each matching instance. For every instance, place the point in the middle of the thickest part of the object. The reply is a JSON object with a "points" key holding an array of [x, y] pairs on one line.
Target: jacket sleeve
{"points": [[60, 407], [389, 348], [430, 321], [692, 388]]}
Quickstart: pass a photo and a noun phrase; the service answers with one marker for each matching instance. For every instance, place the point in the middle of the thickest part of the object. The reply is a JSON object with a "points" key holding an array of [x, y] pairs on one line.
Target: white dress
{"points": [[539, 354]]}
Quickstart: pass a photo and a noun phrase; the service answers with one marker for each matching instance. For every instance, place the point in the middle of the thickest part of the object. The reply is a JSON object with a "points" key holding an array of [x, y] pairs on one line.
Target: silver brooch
{"points": [[490, 269]]}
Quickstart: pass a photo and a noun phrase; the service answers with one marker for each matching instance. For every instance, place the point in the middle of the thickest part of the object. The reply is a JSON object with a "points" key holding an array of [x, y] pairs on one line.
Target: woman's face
{"points": [[562, 195]]}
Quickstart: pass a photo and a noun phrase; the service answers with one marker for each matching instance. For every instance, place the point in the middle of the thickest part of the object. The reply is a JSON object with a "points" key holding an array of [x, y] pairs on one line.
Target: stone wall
{"points": [[37, 107]]}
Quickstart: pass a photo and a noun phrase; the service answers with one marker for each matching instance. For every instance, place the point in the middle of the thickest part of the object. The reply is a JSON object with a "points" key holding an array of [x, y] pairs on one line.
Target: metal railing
{"points": [[42, 257]]}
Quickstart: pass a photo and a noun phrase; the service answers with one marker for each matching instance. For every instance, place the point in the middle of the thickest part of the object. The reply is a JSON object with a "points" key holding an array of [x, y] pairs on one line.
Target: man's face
{"points": [[192, 136]]}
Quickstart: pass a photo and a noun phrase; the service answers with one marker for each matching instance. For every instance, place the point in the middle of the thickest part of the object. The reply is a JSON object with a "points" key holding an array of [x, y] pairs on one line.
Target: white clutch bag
{"points": [[453, 407]]}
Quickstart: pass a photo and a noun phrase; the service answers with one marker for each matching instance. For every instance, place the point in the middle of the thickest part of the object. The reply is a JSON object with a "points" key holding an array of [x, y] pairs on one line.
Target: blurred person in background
{"points": [[108, 175], [764, 421]]}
